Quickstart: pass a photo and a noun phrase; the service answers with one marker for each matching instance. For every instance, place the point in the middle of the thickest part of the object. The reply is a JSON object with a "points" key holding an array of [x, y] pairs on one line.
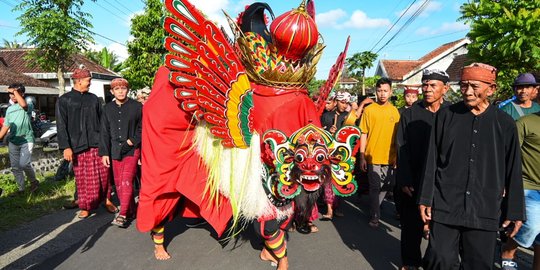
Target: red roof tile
{"points": [[454, 70], [15, 60], [397, 69], [8, 77]]}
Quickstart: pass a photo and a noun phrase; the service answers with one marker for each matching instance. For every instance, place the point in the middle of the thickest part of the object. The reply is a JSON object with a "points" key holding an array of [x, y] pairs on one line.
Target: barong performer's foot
{"points": [[283, 264], [160, 253], [158, 235], [267, 256]]}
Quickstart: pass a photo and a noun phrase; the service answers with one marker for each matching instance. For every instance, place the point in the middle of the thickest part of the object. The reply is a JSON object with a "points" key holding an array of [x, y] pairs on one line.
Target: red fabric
{"points": [[171, 169], [124, 173], [91, 179], [286, 112]]}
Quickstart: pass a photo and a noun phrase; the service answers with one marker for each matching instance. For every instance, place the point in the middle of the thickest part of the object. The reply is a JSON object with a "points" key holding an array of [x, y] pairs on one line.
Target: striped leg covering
{"points": [[158, 235], [277, 244]]}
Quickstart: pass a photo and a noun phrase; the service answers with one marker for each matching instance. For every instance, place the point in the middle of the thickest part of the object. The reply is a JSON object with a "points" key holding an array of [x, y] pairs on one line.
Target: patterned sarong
{"points": [[91, 178], [124, 173]]}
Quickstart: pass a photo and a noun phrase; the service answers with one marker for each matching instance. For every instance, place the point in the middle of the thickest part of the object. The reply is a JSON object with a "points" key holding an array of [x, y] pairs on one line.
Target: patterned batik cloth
{"points": [[91, 178], [124, 173]]}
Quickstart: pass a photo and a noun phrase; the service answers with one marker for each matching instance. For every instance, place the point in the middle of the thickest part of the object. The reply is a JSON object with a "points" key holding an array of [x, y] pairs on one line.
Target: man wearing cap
{"points": [[333, 120], [473, 165], [525, 90], [412, 149], [78, 114], [121, 127], [377, 147]]}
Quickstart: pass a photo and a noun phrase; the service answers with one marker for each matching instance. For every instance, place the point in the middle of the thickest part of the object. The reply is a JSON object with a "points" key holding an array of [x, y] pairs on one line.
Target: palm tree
{"points": [[13, 44], [358, 63], [105, 58]]}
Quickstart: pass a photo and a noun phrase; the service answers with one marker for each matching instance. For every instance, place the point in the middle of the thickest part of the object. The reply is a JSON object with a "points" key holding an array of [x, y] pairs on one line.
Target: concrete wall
{"points": [[42, 161]]}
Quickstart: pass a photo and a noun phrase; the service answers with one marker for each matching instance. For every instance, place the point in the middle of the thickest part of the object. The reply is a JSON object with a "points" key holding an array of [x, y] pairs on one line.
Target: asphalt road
{"points": [[62, 241]]}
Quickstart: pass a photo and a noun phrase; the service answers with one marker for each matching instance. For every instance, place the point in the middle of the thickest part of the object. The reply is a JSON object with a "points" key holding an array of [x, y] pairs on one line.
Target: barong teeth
{"points": [[309, 177]]}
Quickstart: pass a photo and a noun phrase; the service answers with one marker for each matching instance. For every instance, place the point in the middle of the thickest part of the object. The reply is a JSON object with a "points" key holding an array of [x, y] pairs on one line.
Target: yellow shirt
{"points": [[380, 124]]}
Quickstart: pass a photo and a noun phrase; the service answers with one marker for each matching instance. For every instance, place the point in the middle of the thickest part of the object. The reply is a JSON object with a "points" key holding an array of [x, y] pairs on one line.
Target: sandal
{"points": [[111, 208], [120, 221], [313, 228], [83, 214], [326, 218]]}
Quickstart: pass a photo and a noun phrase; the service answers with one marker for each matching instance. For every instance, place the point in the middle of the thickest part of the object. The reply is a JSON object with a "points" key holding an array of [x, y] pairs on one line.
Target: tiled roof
{"points": [[454, 70], [8, 77], [397, 69], [15, 60], [347, 80]]}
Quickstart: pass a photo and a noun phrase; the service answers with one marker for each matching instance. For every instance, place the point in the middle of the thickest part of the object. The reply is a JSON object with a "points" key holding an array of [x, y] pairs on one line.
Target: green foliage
{"points": [[16, 208], [314, 86], [146, 50], [105, 58], [370, 82], [505, 34], [57, 29]]}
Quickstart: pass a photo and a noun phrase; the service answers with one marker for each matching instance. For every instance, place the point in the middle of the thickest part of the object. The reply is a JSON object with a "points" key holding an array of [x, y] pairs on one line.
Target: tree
{"points": [[105, 58], [146, 50], [13, 44], [357, 65], [505, 34], [57, 29], [314, 86]]}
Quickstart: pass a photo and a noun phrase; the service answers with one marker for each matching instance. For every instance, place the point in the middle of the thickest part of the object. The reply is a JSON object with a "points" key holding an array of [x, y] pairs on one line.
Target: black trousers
{"points": [[448, 243], [412, 229]]}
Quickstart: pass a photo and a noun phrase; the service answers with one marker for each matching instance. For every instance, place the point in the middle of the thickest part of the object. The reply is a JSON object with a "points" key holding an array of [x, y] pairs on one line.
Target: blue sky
{"points": [[366, 21]]}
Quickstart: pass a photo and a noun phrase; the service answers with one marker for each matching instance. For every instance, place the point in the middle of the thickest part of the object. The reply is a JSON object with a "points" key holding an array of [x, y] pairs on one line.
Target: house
{"points": [[450, 57], [15, 60], [45, 95], [346, 83]]}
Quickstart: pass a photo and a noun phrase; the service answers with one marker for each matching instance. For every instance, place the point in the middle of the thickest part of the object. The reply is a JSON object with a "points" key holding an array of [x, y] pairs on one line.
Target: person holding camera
{"points": [[21, 138]]}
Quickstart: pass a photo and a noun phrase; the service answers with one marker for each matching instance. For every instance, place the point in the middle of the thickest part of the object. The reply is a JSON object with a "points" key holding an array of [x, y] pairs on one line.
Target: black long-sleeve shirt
{"points": [[327, 119], [118, 124], [78, 121], [473, 161], [412, 141]]}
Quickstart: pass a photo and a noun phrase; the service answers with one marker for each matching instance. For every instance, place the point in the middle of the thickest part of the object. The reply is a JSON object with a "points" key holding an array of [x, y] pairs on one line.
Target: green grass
{"points": [[16, 209], [4, 150]]}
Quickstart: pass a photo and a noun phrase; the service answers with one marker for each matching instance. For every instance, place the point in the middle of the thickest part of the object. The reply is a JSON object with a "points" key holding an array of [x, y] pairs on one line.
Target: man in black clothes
{"points": [[333, 120], [473, 164], [412, 142]]}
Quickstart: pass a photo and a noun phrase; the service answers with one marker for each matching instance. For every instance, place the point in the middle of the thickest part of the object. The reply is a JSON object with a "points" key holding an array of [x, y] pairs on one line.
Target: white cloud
{"points": [[360, 20], [212, 9], [119, 50], [446, 27], [430, 7], [330, 18]]}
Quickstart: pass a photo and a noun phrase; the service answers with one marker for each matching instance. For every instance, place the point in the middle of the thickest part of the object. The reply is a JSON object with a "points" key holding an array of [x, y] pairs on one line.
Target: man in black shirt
{"points": [[121, 127], [473, 164], [78, 115], [412, 142]]}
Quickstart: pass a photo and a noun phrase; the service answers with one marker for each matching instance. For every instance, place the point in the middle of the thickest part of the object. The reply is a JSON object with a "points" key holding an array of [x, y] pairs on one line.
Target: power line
{"points": [[124, 6], [112, 13], [406, 24], [424, 39], [115, 7], [8, 3], [109, 39], [394, 24]]}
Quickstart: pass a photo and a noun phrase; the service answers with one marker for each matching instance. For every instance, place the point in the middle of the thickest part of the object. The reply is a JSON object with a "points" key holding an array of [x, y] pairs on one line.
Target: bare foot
{"points": [[160, 253], [267, 256], [283, 264]]}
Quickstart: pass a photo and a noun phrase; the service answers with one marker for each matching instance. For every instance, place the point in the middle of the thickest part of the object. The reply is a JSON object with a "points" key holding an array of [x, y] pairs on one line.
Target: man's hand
{"points": [[425, 213], [68, 154], [106, 161], [333, 130], [363, 162], [517, 226], [408, 190], [129, 142]]}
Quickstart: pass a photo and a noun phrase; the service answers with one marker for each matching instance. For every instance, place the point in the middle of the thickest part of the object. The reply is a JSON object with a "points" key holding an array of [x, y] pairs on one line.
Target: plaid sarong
{"points": [[91, 178], [124, 173]]}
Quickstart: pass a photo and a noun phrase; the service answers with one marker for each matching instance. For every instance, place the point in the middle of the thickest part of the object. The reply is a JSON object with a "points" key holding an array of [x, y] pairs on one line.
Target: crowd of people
{"points": [[461, 174]]}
